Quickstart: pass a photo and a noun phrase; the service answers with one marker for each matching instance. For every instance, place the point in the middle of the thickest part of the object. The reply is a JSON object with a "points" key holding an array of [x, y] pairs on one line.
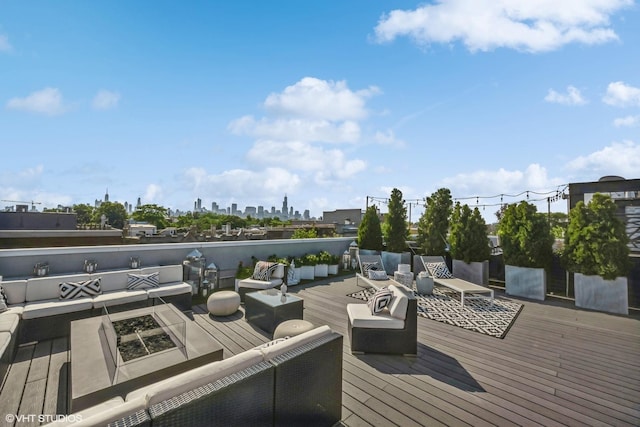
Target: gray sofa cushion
{"points": [[110, 299], [48, 288], [182, 383], [111, 281], [53, 307], [9, 322], [15, 290], [169, 289]]}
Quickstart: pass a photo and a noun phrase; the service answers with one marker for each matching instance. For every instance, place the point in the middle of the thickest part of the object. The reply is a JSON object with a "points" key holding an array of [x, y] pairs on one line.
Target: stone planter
{"points": [[424, 284], [475, 272], [307, 272], [595, 293], [525, 282], [321, 270], [333, 268]]}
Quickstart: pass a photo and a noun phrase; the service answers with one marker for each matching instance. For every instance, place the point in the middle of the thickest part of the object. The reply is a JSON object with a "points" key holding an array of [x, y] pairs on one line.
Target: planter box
{"points": [[475, 272], [595, 293], [321, 270], [307, 272], [294, 276], [333, 268], [525, 282]]}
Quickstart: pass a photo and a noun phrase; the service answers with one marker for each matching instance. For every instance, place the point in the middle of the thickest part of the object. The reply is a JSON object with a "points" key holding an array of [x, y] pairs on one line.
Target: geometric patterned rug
{"points": [[476, 315]]}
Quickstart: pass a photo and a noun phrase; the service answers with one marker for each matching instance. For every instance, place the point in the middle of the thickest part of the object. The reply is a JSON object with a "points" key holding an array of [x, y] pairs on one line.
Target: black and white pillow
{"points": [[439, 270], [378, 275], [3, 301], [381, 299], [263, 270], [143, 281], [85, 288], [368, 266]]}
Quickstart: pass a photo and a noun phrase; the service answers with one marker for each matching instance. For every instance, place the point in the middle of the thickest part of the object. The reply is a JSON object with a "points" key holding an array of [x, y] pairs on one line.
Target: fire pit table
{"points": [[116, 353]]}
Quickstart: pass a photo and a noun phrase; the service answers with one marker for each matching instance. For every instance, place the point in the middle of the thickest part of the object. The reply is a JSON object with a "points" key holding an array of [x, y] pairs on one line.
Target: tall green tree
{"points": [[468, 237], [115, 213], [396, 223], [369, 231], [84, 213], [434, 223], [153, 214], [525, 236], [596, 242]]}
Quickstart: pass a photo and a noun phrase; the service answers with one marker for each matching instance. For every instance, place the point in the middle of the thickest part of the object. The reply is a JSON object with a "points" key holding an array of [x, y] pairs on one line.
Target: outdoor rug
{"points": [[476, 315]]}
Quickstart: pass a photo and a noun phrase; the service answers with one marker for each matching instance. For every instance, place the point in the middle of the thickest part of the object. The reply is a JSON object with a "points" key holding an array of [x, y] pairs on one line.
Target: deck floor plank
{"points": [[556, 366]]}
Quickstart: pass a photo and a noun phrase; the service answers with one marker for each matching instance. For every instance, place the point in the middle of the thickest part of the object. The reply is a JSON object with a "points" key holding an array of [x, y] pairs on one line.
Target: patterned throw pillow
{"points": [[439, 270], [378, 275], [85, 288], [264, 270], [380, 300], [3, 301], [143, 281], [367, 266]]}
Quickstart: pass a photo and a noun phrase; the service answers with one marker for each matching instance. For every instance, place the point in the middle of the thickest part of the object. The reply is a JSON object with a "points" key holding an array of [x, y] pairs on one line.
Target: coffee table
{"points": [[100, 371], [268, 308]]}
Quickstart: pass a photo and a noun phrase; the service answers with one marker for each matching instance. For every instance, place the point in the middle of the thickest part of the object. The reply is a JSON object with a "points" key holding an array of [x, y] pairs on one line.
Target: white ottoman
{"points": [[291, 328], [223, 303]]}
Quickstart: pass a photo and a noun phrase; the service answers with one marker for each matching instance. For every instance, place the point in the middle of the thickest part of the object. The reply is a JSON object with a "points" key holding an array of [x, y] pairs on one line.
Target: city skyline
{"points": [[330, 103]]}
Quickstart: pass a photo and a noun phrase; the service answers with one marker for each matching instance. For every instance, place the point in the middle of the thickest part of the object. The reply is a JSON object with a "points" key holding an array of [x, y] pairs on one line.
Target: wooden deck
{"points": [[556, 366]]}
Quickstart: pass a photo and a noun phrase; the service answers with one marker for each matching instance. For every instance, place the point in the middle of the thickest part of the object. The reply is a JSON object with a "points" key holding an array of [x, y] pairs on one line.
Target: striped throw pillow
{"points": [[85, 288], [263, 270], [143, 281], [381, 299], [439, 270]]}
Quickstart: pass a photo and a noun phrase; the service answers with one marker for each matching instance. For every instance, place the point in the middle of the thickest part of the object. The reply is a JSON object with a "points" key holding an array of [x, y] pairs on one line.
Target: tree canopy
{"points": [[433, 225], [115, 213], [369, 231], [153, 214], [468, 237], [525, 236], [396, 223]]}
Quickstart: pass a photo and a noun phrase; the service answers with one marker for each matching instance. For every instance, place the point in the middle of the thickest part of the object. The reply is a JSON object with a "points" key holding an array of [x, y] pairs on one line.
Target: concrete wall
{"points": [[15, 263]]}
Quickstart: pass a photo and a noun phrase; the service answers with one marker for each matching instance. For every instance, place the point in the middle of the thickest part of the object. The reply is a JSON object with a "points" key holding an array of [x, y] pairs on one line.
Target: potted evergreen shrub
{"points": [[596, 250], [433, 225], [469, 242], [334, 264], [370, 232], [322, 266], [243, 272], [395, 232], [527, 248], [307, 266]]}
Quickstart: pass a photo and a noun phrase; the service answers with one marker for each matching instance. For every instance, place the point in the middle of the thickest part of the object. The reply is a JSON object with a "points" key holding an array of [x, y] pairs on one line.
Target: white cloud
{"points": [[46, 101], [297, 129], [313, 98], [325, 165], [105, 100], [153, 194], [5, 46], [619, 158], [572, 97], [252, 185], [628, 121], [388, 138], [501, 181], [526, 25], [620, 94]]}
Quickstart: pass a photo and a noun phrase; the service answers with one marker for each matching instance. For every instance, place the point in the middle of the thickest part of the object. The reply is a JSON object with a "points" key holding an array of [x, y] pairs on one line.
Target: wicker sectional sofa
{"points": [[36, 311], [294, 381]]}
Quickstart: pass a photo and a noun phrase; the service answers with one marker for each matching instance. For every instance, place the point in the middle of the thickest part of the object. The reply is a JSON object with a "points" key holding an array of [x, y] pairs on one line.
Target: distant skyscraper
{"points": [[106, 195], [285, 206]]}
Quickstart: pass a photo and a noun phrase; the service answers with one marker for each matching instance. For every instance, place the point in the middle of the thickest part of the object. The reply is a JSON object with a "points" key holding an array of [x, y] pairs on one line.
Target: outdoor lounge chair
{"points": [[373, 262], [394, 330], [466, 289]]}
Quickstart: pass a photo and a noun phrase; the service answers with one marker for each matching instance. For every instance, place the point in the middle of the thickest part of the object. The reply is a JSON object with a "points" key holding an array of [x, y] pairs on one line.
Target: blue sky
{"points": [[327, 102]]}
